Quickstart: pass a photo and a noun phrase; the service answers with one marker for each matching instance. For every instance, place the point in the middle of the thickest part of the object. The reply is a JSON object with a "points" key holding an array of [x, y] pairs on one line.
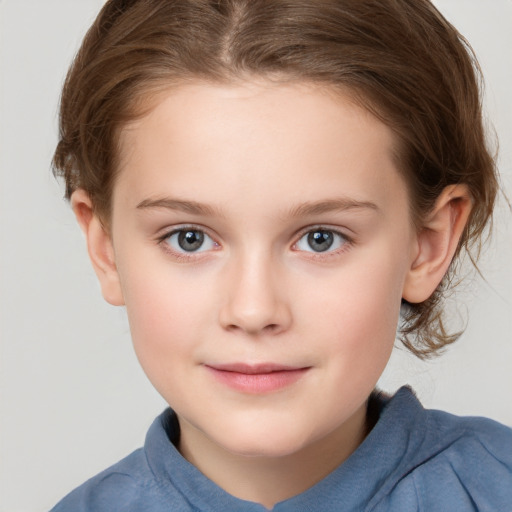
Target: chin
{"points": [[263, 451], [265, 444]]}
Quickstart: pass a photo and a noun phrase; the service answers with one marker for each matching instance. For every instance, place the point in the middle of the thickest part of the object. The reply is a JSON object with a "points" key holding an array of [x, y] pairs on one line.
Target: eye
{"points": [[189, 240], [321, 240]]}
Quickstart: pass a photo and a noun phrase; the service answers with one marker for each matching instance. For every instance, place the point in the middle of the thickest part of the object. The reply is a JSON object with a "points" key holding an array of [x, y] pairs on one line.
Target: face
{"points": [[262, 240]]}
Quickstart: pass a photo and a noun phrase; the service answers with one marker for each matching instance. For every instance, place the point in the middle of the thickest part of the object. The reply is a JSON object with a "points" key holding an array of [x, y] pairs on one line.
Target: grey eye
{"points": [[190, 240], [321, 240]]}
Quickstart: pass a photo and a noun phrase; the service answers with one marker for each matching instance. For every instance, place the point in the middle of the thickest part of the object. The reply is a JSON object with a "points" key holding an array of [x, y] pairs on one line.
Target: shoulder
{"points": [[473, 463], [131, 485], [122, 485], [459, 463], [472, 445], [473, 432]]}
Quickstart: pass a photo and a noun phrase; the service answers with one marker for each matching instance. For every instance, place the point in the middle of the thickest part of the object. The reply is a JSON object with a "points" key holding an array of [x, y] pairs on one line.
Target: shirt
{"points": [[412, 460]]}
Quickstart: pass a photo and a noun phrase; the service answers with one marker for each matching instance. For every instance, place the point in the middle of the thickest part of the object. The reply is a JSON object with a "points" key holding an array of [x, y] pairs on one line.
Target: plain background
{"points": [[73, 399]]}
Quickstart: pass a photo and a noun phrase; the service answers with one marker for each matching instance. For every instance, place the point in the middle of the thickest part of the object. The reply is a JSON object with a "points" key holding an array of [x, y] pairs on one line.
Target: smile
{"points": [[256, 379]]}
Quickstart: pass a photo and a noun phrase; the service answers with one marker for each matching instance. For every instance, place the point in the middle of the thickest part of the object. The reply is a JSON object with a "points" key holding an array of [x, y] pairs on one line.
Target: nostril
{"points": [[271, 327]]}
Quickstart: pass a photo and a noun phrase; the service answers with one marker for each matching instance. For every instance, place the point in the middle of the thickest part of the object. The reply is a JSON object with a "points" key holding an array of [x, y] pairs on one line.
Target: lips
{"points": [[257, 378], [250, 369]]}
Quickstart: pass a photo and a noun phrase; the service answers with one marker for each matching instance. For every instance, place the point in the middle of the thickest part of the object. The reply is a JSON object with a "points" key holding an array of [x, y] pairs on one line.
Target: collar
{"points": [[389, 452]]}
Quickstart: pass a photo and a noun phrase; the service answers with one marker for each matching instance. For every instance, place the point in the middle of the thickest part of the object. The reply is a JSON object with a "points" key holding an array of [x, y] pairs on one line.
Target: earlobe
{"points": [[99, 246], [437, 243]]}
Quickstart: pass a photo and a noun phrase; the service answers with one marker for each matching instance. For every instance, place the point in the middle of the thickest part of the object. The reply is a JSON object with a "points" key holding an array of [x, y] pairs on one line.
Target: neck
{"points": [[269, 480]]}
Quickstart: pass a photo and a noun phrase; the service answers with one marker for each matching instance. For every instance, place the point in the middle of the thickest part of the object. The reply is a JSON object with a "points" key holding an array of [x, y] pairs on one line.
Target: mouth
{"points": [[258, 378]]}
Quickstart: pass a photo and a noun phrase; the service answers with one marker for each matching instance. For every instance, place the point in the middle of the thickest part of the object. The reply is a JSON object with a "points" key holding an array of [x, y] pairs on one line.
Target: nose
{"points": [[255, 298]]}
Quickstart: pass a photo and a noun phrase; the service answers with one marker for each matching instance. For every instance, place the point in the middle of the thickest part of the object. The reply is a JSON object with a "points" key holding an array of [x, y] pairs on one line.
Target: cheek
{"points": [[357, 312], [166, 313]]}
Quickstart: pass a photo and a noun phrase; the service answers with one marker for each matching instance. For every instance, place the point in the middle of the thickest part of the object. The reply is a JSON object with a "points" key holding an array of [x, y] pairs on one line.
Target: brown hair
{"points": [[400, 58]]}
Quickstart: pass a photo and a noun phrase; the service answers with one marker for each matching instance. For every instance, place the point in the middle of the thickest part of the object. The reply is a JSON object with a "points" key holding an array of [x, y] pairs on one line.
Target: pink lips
{"points": [[260, 378]]}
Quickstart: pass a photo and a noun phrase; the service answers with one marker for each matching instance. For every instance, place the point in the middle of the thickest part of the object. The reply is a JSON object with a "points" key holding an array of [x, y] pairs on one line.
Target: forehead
{"points": [[300, 140]]}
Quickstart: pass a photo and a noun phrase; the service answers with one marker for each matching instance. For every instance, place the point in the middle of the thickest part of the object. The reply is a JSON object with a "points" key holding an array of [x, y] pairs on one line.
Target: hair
{"points": [[400, 59]]}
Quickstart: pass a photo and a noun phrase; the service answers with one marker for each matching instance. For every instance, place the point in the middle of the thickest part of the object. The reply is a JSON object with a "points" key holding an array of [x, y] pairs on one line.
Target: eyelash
{"points": [[183, 256], [347, 243]]}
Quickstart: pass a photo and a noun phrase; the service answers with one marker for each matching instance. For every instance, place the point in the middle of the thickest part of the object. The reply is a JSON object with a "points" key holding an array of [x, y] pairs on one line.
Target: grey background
{"points": [[72, 397]]}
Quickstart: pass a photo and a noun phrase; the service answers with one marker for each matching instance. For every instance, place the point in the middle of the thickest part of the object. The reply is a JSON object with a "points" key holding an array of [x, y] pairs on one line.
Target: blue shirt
{"points": [[412, 460]]}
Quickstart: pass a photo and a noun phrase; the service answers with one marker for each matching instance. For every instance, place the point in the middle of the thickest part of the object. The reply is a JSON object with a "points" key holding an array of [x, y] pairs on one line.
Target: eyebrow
{"points": [[301, 210], [331, 205], [180, 205]]}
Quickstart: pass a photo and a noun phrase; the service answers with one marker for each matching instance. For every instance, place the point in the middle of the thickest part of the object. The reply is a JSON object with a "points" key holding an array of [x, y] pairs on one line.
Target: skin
{"points": [[267, 164]]}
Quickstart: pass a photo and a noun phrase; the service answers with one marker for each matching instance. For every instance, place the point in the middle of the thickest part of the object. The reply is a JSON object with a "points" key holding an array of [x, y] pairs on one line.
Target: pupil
{"points": [[190, 240], [320, 241]]}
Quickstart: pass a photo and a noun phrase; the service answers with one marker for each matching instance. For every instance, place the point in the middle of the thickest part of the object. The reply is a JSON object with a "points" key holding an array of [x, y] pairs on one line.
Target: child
{"points": [[266, 186]]}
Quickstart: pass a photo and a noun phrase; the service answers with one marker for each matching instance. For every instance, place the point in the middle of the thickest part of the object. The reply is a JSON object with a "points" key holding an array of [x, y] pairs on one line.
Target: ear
{"points": [[437, 242], [100, 247]]}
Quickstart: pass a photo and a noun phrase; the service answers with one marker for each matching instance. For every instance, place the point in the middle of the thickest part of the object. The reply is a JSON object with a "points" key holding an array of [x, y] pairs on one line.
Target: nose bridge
{"points": [[255, 300]]}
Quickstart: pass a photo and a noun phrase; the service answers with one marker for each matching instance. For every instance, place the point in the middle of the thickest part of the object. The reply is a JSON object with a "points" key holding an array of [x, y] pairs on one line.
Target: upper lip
{"points": [[254, 369]]}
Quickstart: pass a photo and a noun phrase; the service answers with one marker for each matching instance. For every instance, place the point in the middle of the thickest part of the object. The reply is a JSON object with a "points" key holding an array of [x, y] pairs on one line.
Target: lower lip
{"points": [[258, 383]]}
